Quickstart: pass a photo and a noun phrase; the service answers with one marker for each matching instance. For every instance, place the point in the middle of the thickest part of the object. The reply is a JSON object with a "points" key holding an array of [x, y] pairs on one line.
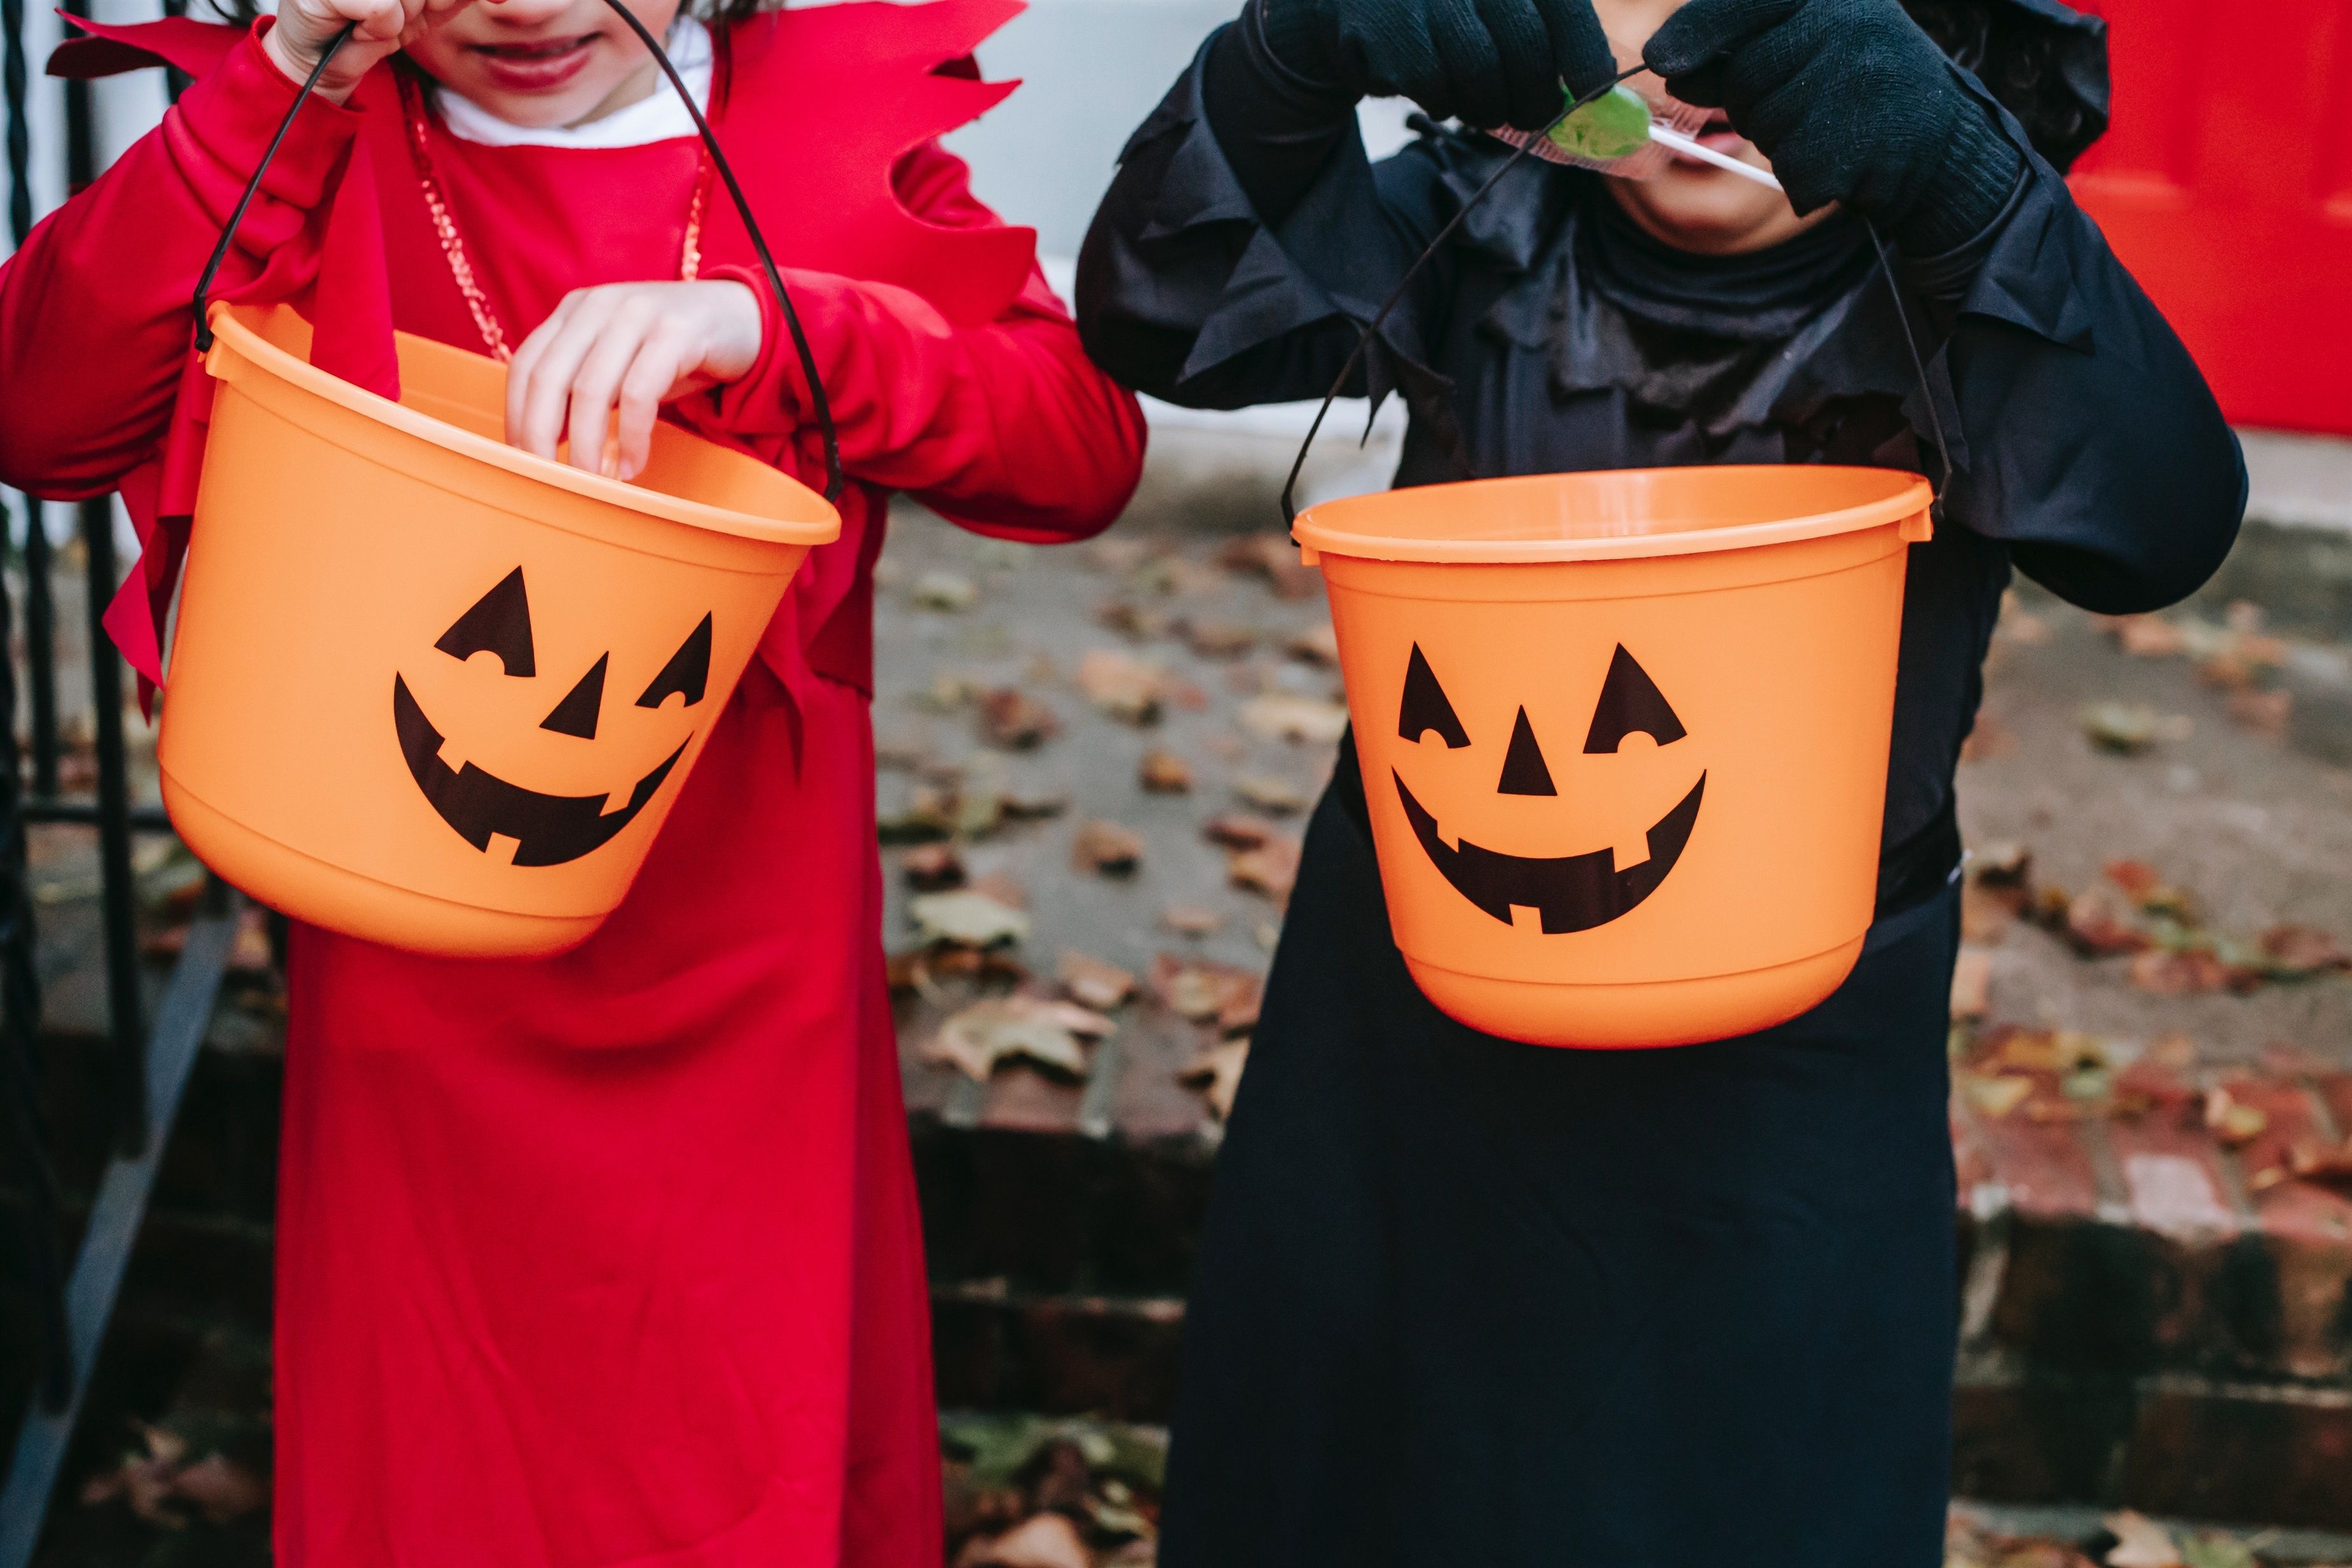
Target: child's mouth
{"points": [[541, 65]]}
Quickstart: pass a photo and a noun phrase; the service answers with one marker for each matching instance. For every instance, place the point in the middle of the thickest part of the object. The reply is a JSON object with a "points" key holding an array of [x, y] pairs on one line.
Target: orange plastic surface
{"points": [[341, 540], [1762, 640]]}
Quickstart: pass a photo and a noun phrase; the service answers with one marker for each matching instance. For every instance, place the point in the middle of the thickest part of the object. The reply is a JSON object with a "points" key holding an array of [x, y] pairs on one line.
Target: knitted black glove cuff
{"points": [[1294, 36], [1973, 183]]}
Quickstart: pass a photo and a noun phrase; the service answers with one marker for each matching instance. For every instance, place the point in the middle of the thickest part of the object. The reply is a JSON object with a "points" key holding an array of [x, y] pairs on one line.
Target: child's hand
{"points": [[630, 347], [305, 28]]}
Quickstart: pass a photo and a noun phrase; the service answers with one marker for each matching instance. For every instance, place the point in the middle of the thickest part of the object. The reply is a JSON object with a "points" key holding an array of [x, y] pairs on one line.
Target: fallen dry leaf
{"points": [[2149, 637], [1271, 869], [2189, 973], [1122, 686], [932, 868], [1994, 1096], [975, 1040], [1220, 1068], [221, 1489], [1971, 982], [1093, 983], [944, 591], [2140, 1542], [2264, 713], [1217, 639], [1162, 772], [2099, 924], [970, 918], [1012, 719], [1207, 992], [1988, 739], [1275, 558], [1130, 619], [1042, 1540], [1270, 793], [1318, 647], [2292, 952], [2231, 1120], [1278, 717], [1030, 804], [2129, 728], [1191, 920], [1107, 849], [1237, 830]]}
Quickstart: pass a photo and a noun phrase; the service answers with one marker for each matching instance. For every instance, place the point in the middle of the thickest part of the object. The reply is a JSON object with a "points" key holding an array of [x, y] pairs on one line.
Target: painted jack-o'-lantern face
{"points": [[547, 829], [1569, 893]]}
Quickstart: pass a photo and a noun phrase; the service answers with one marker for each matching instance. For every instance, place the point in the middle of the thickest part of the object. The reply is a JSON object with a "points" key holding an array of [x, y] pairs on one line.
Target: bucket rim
{"points": [[1326, 528], [233, 334]]}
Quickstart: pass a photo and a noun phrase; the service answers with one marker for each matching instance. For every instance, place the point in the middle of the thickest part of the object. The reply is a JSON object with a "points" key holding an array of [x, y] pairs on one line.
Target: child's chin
{"points": [[1706, 210]]}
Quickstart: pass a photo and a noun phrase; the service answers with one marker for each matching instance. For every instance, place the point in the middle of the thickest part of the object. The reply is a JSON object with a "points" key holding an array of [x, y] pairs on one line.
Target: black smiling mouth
{"points": [[548, 830], [1572, 892]]}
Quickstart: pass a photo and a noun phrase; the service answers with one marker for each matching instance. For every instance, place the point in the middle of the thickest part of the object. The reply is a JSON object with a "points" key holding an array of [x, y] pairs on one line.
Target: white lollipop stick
{"points": [[1667, 137]]}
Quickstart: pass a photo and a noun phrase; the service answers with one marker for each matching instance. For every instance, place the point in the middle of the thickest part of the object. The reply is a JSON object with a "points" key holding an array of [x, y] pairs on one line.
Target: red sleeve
{"points": [[1007, 428], [95, 321]]}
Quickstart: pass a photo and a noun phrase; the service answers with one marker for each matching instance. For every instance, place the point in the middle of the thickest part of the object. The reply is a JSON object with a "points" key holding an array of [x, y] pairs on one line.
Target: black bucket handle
{"points": [[822, 405], [1380, 318]]}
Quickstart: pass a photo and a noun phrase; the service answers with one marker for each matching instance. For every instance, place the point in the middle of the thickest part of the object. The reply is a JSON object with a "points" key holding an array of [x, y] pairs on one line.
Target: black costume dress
{"points": [[1468, 1302]]}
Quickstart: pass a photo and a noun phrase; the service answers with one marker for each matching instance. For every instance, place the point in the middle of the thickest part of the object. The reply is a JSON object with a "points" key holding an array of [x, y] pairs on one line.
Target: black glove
{"points": [[1852, 103], [1488, 62]]}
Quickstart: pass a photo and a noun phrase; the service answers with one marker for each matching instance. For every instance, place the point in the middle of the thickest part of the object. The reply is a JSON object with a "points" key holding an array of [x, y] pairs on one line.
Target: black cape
{"points": [[1464, 1300]]}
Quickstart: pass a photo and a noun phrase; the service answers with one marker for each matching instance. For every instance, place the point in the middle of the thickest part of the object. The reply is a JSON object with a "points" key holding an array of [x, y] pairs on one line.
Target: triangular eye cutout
{"points": [[499, 622], [1425, 708], [1524, 772], [689, 669], [576, 714], [1631, 701]]}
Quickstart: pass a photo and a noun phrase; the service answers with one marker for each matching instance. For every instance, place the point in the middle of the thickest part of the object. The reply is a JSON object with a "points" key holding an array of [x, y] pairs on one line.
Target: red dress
{"points": [[613, 1258]]}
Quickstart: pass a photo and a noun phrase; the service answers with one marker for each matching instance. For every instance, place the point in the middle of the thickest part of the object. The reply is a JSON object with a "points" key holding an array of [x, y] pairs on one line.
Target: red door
{"points": [[2225, 185]]}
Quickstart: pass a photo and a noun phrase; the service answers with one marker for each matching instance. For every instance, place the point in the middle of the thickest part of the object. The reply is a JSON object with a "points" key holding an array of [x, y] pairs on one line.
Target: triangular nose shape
{"points": [[576, 714], [1524, 772]]}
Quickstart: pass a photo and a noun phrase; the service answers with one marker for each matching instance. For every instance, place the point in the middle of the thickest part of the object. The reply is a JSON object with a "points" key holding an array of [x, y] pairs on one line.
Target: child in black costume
{"points": [[1464, 1301]]}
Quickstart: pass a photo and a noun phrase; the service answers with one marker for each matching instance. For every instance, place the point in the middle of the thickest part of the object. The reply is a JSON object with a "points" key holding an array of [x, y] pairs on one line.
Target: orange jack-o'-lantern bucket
{"points": [[430, 689], [1624, 736]]}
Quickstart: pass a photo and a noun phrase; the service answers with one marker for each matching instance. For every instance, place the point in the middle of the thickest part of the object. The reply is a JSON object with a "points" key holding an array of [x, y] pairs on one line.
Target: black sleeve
{"points": [[1186, 293], [2083, 436]]}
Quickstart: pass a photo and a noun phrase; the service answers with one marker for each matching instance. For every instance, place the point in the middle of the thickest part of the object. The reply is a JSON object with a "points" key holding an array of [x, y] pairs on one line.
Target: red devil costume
{"points": [[612, 1257]]}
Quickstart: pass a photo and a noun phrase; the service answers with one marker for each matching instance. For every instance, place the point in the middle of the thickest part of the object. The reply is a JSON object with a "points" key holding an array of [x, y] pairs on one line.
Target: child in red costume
{"points": [[611, 1257]]}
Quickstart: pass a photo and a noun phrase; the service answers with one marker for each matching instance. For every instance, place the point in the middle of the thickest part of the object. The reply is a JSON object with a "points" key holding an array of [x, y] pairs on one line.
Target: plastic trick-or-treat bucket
{"points": [[428, 689], [1624, 736]]}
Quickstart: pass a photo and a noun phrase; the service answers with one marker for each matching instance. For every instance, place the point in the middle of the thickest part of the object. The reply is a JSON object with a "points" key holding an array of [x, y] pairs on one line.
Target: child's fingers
{"points": [[547, 390], [661, 364], [596, 384]]}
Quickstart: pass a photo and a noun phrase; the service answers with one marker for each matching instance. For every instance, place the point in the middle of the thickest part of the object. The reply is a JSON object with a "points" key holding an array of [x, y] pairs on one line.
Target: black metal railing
{"points": [[145, 1069]]}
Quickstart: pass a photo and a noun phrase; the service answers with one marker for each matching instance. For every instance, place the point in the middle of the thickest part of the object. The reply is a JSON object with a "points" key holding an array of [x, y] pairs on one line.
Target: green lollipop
{"points": [[1615, 125]]}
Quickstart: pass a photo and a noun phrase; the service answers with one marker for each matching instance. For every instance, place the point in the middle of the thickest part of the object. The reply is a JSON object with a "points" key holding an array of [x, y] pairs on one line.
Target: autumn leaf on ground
{"points": [[2327, 1167], [1122, 686], [1319, 647], [932, 868], [2187, 972], [1971, 982], [1275, 558], [1012, 719], [2149, 637], [2265, 714], [976, 1039], [1217, 639], [2216, 1552], [1028, 805], [968, 918], [2100, 925], [1107, 849], [1207, 992], [1219, 1068], [221, 1489], [1237, 830], [1988, 739], [1042, 1540], [1270, 793], [2231, 1120], [1191, 920], [944, 591], [1278, 717], [1119, 555], [2140, 1542], [1162, 772], [1271, 869], [1994, 1096], [1092, 983], [2129, 728], [1130, 619], [2295, 952]]}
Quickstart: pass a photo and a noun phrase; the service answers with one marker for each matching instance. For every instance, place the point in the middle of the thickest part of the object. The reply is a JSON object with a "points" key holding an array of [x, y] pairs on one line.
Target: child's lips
{"points": [[541, 66]]}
